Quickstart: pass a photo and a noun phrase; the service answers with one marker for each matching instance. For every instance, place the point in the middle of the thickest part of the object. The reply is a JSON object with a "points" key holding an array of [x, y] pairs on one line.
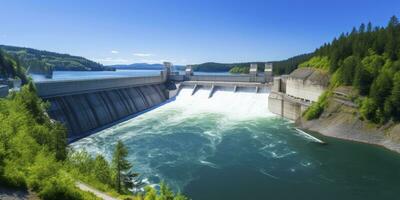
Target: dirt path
{"points": [[98, 193]]}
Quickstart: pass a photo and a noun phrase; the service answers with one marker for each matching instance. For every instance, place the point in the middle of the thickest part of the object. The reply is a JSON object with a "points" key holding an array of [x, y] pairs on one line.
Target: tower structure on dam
{"points": [[167, 70], [188, 71], [268, 72], [168, 67], [253, 69]]}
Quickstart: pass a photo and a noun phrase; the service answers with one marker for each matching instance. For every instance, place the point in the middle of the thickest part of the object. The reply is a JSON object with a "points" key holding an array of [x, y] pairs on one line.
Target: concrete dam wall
{"points": [[83, 106], [85, 112], [88, 105]]}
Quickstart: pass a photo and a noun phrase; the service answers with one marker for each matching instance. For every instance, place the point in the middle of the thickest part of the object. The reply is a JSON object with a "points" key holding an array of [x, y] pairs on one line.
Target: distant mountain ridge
{"points": [[40, 61], [139, 66], [279, 67]]}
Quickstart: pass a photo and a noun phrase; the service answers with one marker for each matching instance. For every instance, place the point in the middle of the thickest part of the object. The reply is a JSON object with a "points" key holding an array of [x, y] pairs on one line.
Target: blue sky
{"points": [[184, 31]]}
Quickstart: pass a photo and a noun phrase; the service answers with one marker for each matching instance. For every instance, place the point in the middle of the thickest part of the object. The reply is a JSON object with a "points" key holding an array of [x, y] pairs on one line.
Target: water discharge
{"points": [[231, 147]]}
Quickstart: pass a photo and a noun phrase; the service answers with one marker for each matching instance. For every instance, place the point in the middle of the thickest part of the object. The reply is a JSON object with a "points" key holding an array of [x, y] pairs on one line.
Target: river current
{"points": [[231, 147]]}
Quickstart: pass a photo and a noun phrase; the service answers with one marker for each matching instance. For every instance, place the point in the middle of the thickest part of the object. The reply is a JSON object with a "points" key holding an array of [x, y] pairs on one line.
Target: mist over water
{"points": [[231, 147]]}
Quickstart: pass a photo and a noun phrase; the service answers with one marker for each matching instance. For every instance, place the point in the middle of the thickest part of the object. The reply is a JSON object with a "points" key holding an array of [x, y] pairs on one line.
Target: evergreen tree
{"points": [[362, 79], [102, 170], [392, 106], [120, 165], [381, 88], [392, 38], [349, 66]]}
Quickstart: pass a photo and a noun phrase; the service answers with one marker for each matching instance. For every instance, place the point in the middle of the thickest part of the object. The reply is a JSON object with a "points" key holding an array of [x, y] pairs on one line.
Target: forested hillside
{"points": [[11, 68], [279, 67], [40, 61], [367, 58], [34, 156]]}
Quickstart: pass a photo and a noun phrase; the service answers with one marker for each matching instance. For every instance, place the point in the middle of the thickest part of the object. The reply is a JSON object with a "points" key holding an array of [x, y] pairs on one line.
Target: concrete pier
{"points": [[195, 88], [211, 91]]}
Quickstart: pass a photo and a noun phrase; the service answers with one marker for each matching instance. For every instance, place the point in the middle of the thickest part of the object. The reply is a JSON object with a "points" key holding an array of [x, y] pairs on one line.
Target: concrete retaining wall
{"points": [[69, 87], [303, 89], [275, 103], [280, 104]]}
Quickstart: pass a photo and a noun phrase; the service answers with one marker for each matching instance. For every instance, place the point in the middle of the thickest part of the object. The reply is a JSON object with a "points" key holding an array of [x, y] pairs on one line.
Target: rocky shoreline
{"points": [[342, 121]]}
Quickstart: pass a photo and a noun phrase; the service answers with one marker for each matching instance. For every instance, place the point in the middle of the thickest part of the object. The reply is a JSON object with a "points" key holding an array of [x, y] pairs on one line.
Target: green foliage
{"points": [[392, 104], [11, 68], [349, 66], [368, 109], [164, 194], [319, 62], [214, 67], [32, 147], [290, 64], [279, 67], [316, 109], [120, 165], [102, 170], [240, 70], [368, 59], [381, 88], [93, 171]]}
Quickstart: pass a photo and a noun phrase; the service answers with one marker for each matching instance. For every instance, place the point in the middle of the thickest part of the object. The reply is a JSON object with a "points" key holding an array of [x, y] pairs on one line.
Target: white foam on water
{"points": [[263, 171], [234, 105], [209, 164], [308, 136]]}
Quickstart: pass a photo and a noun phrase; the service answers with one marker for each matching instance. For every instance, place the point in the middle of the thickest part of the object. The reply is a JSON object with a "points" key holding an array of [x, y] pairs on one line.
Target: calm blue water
{"points": [[74, 75]]}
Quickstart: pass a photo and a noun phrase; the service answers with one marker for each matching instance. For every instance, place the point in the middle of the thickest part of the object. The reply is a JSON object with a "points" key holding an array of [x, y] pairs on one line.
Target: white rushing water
{"points": [[244, 104]]}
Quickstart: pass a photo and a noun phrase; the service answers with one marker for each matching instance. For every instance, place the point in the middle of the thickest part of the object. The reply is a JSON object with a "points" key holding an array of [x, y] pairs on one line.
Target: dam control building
{"points": [[292, 94]]}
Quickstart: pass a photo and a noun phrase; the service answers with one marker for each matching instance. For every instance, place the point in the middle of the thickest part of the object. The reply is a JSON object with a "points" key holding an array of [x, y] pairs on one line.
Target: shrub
{"points": [[316, 109], [317, 62], [60, 187]]}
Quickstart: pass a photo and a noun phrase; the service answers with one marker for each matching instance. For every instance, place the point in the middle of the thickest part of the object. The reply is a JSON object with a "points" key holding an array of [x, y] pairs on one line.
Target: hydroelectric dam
{"points": [[88, 105], [219, 137]]}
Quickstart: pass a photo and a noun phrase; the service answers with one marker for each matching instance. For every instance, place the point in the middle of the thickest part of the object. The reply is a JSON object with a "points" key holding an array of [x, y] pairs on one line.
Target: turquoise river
{"points": [[231, 147]]}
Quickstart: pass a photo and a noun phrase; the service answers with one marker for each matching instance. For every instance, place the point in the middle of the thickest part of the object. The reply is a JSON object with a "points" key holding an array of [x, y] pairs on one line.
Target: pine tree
{"points": [[349, 66], [381, 88], [393, 105], [369, 27], [120, 165], [102, 169], [392, 34]]}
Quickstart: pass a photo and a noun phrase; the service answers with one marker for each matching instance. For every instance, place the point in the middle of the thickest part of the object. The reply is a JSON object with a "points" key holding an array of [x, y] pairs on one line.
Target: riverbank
{"points": [[342, 121]]}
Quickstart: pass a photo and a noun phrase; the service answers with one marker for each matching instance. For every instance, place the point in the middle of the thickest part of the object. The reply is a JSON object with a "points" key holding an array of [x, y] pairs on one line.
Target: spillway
{"points": [[82, 113], [230, 146]]}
